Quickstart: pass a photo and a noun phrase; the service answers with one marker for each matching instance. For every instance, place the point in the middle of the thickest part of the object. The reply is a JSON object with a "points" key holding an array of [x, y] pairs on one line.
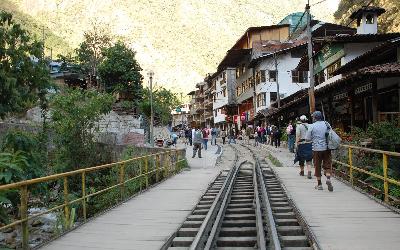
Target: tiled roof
{"points": [[359, 12], [357, 38]]}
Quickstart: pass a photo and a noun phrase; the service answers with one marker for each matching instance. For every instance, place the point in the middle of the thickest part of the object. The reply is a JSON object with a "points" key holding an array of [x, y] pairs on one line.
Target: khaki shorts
{"points": [[323, 158]]}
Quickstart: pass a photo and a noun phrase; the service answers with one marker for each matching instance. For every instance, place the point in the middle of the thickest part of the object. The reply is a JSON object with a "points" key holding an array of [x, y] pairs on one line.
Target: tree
{"points": [[24, 76], [89, 52], [74, 117], [120, 72], [164, 101]]}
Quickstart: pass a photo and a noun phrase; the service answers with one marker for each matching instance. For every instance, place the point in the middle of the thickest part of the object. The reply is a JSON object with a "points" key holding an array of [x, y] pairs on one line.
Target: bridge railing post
{"points": [[385, 177], [122, 180], [351, 165], [146, 170], [165, 164], [157, 162], [24, 216], [83, 177], [66, 204]]}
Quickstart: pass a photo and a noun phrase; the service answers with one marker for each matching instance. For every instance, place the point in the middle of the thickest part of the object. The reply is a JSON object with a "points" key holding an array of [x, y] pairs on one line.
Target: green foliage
{"points": [[120, 72], [74, 117], [274, 160], [89, 52], [164, 101], [23, 80]]}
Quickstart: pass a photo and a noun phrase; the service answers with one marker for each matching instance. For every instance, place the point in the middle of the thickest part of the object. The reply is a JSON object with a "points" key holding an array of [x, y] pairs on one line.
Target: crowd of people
{"points": [[308, 142]]}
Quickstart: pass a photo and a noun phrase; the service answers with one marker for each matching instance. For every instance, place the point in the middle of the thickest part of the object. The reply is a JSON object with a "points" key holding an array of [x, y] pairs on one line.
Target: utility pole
{"points": [[182, 109], [310, 60], [277, 82], [151, 74]]}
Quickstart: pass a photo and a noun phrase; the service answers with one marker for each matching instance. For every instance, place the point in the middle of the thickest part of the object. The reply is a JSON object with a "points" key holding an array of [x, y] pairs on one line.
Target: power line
{"points": [[318, 2], [297, 25]]}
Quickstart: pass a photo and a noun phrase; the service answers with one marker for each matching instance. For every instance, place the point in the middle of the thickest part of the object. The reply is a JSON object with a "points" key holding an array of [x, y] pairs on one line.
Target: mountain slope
{"points": [[58, 44], [388, 22], [181, 40]]}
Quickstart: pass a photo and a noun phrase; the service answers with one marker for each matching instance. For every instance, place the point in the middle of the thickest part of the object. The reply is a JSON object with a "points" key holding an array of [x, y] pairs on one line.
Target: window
{"points": [[258, 77], [273, 96], [332, 68], [243, 87], [319, 78], [299, 76], [369, 19], [272, 75], [237, 72], [261, 100], [224, 92], [262, 72]]}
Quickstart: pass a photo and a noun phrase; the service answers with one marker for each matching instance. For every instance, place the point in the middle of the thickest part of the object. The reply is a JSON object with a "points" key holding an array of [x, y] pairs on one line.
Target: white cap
{"points": [[303, 118]]}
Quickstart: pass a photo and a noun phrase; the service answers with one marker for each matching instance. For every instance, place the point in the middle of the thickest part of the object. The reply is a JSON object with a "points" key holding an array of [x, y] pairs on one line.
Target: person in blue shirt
{"points": [[322, 157]]}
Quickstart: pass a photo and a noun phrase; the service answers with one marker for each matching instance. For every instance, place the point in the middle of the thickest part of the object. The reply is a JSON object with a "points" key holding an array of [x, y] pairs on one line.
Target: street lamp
{"points": [[150, 74]]}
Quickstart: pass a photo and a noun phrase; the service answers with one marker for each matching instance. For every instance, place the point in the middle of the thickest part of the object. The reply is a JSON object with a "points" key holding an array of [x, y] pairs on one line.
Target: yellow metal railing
{"points": [[165, 163], [385, 154]]}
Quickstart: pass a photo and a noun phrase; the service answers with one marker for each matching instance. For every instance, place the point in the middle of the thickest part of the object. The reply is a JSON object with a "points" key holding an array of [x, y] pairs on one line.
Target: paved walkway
{"points": [[342, 219], [147, 221]]}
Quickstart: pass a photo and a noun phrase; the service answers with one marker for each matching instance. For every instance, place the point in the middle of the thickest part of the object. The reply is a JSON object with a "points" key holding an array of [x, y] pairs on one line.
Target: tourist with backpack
{"points": [[323, 139], [304, 152], [197, 141]]}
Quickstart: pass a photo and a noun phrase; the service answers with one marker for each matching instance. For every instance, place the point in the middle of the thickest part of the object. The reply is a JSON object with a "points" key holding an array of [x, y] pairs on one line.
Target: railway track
{"points": [[244, 209]]}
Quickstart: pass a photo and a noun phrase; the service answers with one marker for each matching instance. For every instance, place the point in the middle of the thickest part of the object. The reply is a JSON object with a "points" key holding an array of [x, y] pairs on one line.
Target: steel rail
{"points": [[259, 219], [274, 243], [202, 235], [218, 220]]}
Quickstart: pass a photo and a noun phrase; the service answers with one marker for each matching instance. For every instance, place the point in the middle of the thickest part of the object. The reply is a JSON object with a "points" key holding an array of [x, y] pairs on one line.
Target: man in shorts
{"points": [[317, 134]]}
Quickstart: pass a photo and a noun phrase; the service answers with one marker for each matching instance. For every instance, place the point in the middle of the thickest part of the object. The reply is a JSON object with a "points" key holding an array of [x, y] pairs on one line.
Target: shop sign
{"points": [[340, 96], [363, 88], [328, 55], [235, 118]]}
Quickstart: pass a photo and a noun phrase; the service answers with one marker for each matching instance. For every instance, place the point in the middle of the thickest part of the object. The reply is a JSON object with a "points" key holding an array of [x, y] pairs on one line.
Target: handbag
{"points": [[333, 140]]}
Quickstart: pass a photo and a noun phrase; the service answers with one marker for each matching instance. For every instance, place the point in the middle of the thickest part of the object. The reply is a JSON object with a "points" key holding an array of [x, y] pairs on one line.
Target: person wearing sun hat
{"points": [[303, 147], [322, 156]]}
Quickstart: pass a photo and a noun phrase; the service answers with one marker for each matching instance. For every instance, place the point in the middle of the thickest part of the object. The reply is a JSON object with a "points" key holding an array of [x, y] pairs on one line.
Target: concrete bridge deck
{"points": [[340, 220]]}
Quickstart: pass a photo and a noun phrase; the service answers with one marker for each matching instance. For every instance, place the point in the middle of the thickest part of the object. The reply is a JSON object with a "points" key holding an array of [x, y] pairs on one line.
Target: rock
{"points": [[10, 240], [8, 230], [37, 223]]}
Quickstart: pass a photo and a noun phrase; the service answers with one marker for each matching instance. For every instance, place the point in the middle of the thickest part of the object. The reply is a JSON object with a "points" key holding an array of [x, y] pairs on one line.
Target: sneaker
{"points": [[329, 184], [309, 175], [301, 173], [319, 187], [192, 156]]}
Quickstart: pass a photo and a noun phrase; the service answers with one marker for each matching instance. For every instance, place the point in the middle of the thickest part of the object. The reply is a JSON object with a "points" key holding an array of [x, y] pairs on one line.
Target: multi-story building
{"points": [[223, 96]]}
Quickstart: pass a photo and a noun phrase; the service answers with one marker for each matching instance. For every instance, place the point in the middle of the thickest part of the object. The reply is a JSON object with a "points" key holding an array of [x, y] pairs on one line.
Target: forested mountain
{"points": [[181, 40], [388, 22], [56, 43]]}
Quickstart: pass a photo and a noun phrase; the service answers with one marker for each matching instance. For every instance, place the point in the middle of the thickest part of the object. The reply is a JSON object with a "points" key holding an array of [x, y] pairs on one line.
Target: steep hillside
{"points": [[388, 22], [58, 44], [181, 40]]}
